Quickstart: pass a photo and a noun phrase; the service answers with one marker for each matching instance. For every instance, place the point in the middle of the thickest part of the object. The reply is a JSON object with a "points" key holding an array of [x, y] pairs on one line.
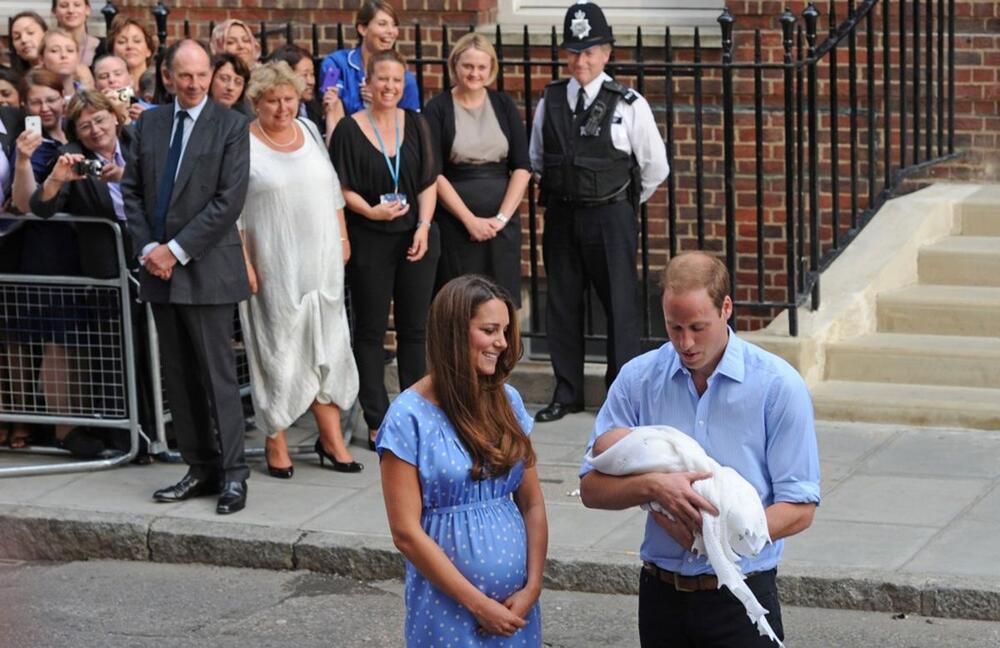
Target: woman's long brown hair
{"points": [[477, 405]]}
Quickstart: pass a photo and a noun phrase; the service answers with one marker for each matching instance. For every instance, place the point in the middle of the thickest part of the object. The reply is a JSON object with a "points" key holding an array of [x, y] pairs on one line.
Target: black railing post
{"points": [[726, 21], [916, 82], [109, 11], [902, 83], [187, 28], [668, 59], [160, 13], [929, 81], [263, 40], [940, 79], [886, 97], [852, 64], [699, 156], [418, 51], [951, 76], [870, 65], [314, 41], [498, 46], [787, 31], [800, 152], [340, 36], [446, 77], [643, 208], [289, 37], [811, 16], [834, 130], [536, 308], [758, 131]]}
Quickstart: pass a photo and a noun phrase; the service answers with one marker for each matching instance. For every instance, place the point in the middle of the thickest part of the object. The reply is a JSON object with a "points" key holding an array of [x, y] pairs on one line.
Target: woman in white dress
{"points": [[295, 244]]}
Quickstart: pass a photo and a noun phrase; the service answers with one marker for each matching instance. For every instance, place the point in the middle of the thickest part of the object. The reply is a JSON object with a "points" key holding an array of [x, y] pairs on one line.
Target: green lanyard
{"points": [[394, 172]]}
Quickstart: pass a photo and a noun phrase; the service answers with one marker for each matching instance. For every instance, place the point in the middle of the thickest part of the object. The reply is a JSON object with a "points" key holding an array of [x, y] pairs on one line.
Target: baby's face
{"points": [[609, 438]]}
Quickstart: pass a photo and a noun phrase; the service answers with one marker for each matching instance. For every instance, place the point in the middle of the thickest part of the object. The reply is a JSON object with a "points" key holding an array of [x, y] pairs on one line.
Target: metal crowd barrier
{"points": [[161, 407], [87, 320]]}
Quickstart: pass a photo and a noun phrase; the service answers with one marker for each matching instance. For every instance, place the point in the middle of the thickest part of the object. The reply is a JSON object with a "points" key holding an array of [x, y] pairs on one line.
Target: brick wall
{"points": [[977, 116]]}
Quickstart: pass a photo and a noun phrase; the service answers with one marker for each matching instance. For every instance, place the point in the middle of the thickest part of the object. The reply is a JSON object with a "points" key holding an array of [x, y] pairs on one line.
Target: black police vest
{"points": [[581, 164]]}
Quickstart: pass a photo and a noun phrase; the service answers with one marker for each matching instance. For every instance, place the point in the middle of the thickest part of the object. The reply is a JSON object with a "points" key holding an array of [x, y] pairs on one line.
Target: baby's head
{"points": [[609, 438]]}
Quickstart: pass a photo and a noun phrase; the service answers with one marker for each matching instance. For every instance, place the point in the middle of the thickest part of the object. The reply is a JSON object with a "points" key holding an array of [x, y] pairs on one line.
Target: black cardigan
{"points": [[440, 115]]}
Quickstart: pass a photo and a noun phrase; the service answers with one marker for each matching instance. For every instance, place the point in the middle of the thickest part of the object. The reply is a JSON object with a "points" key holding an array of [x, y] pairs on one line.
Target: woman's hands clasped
{"points": [[496, 618], [483, 229]]}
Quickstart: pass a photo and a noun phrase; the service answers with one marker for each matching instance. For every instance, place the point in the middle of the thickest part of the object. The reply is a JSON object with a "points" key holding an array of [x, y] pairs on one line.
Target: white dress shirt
{"points": [[193, 114], [633, 130]]}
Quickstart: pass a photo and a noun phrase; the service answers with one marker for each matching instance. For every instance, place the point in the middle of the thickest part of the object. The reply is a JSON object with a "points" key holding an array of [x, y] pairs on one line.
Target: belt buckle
{"points": [[682, 588]]}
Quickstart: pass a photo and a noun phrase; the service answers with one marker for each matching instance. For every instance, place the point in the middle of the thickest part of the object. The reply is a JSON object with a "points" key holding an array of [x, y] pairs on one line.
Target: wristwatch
{"points": [[500, 217]]}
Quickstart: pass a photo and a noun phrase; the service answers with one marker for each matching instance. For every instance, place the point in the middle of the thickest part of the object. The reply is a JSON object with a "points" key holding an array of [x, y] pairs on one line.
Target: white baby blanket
{"points": [[739, 530]]}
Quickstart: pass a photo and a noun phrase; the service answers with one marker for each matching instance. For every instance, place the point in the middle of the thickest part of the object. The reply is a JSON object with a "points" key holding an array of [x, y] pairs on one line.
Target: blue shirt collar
{"points": [[730, 365], [192, 112]]}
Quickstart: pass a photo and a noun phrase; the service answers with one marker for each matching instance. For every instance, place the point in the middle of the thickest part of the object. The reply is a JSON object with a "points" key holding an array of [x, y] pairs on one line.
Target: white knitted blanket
{"points": [[739, 530]]}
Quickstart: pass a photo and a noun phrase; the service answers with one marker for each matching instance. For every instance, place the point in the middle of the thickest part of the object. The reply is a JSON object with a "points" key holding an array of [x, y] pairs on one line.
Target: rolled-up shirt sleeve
{"points": [[792, 451], [618, 411]]}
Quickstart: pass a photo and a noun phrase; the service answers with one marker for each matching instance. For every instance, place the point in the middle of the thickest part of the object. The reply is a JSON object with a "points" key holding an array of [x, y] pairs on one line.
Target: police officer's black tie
{"points": [[581, 96]]}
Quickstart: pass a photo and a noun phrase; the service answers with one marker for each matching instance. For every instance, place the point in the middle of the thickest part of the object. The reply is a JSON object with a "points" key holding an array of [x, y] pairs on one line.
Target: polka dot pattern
{"points": [[476, 523]]}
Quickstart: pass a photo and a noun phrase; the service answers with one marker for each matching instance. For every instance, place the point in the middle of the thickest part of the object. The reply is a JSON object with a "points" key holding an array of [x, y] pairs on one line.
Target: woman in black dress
{"points": [[387, 168], [483, 146]]}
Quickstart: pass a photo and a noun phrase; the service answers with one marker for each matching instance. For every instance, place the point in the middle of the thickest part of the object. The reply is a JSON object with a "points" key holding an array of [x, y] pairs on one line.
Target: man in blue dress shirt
{"points": [[749, 410]]}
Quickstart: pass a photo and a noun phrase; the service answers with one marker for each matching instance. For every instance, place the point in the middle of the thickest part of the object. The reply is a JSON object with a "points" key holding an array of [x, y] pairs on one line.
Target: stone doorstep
{"points": [[40, 533]]}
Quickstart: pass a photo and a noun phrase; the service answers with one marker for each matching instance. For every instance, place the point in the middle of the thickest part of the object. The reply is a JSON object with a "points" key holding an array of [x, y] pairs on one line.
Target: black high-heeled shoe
{"points": [[339, 466], [280, 473]]}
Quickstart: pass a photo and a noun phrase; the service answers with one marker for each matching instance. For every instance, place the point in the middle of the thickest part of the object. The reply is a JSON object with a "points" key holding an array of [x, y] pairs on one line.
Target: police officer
{"points": [[599, 154]]}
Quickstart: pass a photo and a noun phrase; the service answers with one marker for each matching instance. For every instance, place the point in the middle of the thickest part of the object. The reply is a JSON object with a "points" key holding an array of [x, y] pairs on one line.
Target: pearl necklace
{"points": [[295, 136]]}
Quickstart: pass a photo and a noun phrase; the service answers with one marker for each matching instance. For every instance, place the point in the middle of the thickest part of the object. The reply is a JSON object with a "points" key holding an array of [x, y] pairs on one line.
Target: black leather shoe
{"points": [[280, 473], [233, 498], [556, 411], [189, 486]]}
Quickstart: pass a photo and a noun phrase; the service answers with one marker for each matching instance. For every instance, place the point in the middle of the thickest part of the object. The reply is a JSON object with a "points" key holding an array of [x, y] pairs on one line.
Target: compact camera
{"points": [[126, 95], [89, 168], [392, 197]]}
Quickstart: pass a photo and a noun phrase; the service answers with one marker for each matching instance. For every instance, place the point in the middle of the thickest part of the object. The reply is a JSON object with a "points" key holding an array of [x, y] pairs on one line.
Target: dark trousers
{"points": [[378, 273], [704, 619], [199, 371], [589, 246]]}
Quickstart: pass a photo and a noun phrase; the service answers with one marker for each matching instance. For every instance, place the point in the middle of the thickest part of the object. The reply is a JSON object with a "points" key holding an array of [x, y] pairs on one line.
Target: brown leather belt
{"points": [[683, 583]]}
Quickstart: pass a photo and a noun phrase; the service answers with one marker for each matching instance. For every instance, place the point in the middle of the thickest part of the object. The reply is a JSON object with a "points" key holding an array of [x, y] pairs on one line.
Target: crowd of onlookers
{"points": [[419, 198]]}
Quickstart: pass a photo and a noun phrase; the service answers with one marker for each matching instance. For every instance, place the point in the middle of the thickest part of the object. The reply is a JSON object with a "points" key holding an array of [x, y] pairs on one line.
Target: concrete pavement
{"points": [[908, 523]]}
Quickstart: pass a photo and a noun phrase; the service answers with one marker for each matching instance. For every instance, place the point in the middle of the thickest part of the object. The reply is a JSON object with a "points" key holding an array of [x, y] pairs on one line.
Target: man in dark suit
{"points": [[184, 187], [11, 125]]}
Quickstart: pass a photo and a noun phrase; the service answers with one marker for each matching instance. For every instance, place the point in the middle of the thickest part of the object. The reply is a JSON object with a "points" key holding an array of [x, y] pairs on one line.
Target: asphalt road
{"points": [[139, 605]]}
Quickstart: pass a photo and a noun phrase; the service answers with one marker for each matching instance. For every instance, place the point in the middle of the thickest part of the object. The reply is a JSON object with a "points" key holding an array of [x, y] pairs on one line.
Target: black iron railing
{"points": [[781, 197]]}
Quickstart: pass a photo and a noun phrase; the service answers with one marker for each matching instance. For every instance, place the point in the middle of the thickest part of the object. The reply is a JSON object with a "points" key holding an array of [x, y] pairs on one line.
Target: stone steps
{"points": [[961, 261], [958, 361], [941, 310], [909, 404]]}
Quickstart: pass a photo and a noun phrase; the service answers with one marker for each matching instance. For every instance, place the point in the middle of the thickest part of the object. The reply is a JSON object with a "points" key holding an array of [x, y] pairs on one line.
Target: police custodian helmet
{"points": [[584, 27]]}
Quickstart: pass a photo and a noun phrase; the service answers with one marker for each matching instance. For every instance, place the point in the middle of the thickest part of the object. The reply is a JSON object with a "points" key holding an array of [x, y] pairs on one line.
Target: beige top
{"points": [[478, 138]]}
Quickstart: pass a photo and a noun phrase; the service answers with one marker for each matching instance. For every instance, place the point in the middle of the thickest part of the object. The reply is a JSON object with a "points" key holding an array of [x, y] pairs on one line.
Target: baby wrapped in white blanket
{"points": [[740, 528]]}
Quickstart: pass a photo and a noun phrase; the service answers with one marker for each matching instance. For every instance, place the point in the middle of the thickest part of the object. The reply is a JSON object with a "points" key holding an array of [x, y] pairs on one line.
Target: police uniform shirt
{"points": [[633, 130]]}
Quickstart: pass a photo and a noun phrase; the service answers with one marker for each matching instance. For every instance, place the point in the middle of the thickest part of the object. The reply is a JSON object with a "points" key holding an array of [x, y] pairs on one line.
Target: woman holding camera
{"points": [[387, 168], [84, 180]]}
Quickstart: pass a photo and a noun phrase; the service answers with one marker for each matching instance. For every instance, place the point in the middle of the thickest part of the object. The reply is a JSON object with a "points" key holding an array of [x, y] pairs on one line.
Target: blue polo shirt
{"points": [[756, 417], [352, 74]]}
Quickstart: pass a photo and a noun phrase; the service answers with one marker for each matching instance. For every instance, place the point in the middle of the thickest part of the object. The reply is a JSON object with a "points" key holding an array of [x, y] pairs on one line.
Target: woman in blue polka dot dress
{"points": [[454, 449]]}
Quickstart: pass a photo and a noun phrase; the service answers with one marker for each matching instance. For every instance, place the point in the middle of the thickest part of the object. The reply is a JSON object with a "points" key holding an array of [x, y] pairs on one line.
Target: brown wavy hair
{"points": [[477, 405]]}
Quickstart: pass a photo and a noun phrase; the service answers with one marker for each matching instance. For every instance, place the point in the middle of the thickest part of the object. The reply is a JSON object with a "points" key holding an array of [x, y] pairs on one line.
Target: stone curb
{"points": [[45, 533]]}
